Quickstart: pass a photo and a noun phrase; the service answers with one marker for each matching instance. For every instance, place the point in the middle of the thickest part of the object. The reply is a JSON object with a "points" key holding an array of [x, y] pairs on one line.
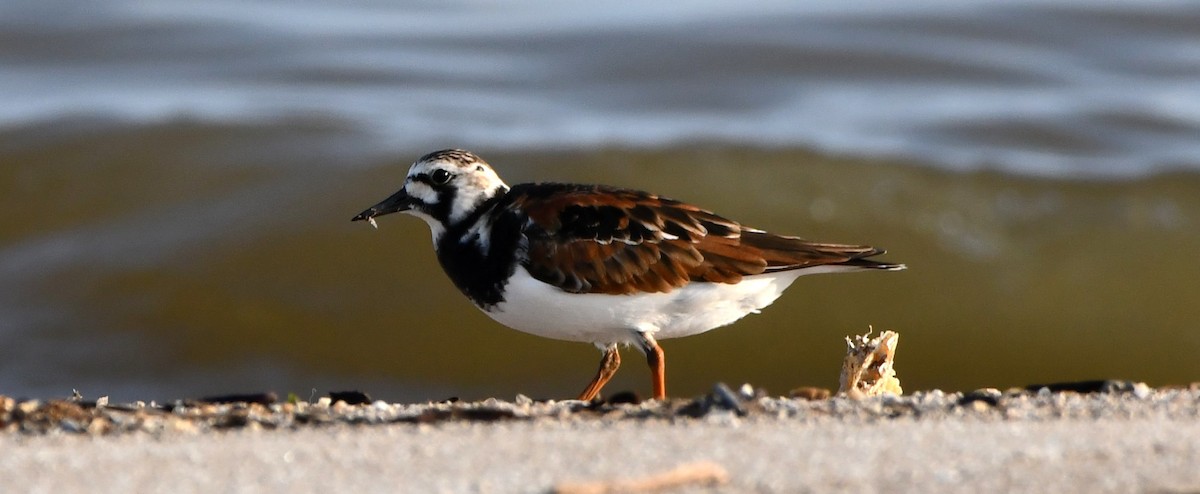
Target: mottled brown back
{"points": [[597, 239]]}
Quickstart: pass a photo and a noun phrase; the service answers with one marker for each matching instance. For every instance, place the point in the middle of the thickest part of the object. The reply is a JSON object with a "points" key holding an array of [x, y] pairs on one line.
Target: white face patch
{"points": [[464, 203], [421, 192]]}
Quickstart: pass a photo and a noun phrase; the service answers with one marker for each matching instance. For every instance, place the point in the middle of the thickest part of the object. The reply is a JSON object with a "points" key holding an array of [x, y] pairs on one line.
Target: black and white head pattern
{"points": [[446, 186]]}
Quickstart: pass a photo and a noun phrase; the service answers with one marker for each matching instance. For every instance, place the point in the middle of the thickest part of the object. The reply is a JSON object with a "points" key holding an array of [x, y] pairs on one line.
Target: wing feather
{"points": [[597, 239]]}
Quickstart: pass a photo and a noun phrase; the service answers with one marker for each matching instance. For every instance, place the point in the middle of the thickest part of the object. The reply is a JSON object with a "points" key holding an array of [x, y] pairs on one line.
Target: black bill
{"points": [[393, 204]]}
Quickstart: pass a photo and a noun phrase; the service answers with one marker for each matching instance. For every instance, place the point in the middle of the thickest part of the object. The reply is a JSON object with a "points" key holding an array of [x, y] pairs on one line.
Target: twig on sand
{"points": [[699, 473]]}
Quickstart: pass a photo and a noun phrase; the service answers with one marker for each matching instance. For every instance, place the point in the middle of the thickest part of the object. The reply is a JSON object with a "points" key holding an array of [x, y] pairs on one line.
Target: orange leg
{"points": [[608, 367], [658, 364]]}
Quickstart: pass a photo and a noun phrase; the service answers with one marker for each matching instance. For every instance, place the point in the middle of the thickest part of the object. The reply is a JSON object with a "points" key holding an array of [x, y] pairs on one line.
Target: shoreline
{"points": [[1126, 439], [1086, 399]]}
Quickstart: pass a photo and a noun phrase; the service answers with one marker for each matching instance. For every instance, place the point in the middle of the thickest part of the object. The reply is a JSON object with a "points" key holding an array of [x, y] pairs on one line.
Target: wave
{"points": [[1055, 88]]}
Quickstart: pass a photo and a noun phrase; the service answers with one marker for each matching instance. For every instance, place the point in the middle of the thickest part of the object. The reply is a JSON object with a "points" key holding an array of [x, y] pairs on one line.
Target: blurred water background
{"points": [[177, 178]]}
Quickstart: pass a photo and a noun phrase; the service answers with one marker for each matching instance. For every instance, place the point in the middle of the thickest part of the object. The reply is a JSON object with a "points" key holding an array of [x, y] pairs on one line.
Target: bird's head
{"points": [[442, 188]]}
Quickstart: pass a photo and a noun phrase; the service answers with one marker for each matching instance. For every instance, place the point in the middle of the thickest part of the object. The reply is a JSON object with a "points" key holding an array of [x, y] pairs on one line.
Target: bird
{"points": [[601, 264]]}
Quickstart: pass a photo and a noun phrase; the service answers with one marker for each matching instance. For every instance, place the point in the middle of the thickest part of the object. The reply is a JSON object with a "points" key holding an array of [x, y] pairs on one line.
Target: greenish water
{"points": [[121, 276], [176, 186]]}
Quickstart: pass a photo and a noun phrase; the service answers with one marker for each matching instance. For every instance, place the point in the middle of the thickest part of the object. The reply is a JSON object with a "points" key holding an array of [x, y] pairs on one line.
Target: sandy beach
{"points": [[1135, 440]]}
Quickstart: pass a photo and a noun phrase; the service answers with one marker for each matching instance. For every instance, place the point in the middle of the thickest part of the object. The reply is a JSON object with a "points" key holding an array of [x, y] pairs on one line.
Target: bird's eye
{"points": [[440, 177]]}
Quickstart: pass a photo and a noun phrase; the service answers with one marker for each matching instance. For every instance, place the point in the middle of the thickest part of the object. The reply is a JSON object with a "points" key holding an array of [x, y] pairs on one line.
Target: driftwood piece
{"points": [[692, 474], [868, 368]]}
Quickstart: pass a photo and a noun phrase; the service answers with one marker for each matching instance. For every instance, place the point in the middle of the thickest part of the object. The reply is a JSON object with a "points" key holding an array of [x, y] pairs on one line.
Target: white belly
{"points": [[544, 310]]}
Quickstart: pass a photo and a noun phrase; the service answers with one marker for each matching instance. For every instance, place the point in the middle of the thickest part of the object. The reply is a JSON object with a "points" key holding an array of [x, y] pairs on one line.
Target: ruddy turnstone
{"points": [[600, 264]]}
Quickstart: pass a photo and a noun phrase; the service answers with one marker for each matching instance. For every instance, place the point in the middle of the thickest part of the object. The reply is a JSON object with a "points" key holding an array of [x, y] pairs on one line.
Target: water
{"points": [[178, 177], [1041, 87]]}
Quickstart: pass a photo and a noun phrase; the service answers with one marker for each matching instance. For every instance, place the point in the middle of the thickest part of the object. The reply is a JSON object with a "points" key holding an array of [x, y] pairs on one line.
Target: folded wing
{"points": [[596, 239]]}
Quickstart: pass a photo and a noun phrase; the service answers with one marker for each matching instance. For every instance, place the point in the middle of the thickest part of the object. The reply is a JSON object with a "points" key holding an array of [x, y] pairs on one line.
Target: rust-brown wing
{"points": [[596, 239]]}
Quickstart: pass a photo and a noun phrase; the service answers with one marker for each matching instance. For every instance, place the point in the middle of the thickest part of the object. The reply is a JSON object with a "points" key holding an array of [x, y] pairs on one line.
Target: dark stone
{"points": [[350, 397], [267, 398], [1096, 386], [728, 399], [991, 397], [486, 414], [624, 398], [696, 408]]}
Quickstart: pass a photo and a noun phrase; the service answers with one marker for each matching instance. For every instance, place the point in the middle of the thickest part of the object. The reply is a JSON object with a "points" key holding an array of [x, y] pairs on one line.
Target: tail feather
{"points": [[784, 253], [865, 263]]}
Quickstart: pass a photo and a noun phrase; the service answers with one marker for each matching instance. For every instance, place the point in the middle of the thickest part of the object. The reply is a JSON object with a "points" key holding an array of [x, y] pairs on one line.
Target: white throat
{"points": [[435, 226]]}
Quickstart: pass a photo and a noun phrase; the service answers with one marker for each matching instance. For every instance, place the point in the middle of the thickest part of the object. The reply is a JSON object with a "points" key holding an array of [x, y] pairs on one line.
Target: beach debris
{"points": [[350, 397], [723, 398], [868, 368], [1109, 386], [724, 405], [623, 398], [981, 397], [810, 393], [259, 398], [702, 473]]}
